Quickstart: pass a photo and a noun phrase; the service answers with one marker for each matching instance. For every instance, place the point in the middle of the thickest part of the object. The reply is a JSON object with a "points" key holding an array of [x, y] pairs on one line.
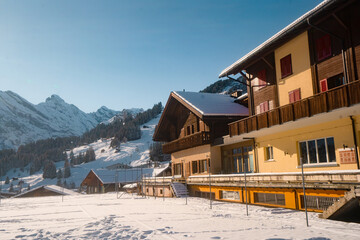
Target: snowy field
{"points": [[133, 217]]}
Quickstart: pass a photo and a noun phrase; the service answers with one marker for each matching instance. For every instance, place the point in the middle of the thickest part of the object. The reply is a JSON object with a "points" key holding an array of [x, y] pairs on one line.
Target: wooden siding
{"points": [[330, 67], [357, 57], [335, 98], [194, 140]]}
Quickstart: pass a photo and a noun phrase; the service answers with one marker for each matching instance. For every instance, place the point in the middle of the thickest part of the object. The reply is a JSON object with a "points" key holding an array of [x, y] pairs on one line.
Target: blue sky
{"points": [[125, 54]]}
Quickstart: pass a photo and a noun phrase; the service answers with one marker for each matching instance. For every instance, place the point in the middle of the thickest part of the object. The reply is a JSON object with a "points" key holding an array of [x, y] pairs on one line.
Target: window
{"points": [[335, 81], [230, 195], [192, 129], [318, 202], [323, 47], [188, 130], [202, 166], [161, 191], [239, 159], [285, 64], [269, 155], [262, 78], [194, 166], [177, 169], [269, 198], [294, 95], [317, 151]]}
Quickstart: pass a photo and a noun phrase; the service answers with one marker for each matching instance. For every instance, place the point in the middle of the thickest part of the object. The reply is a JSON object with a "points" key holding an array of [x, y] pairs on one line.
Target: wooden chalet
{"points": [[46, 191], [190, 123], [103, 180]]}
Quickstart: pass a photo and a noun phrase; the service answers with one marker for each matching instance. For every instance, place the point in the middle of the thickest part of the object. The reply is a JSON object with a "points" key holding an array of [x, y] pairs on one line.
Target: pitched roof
{"points": [[126, 175], [299, 23], [53, 188], [212, 104]]}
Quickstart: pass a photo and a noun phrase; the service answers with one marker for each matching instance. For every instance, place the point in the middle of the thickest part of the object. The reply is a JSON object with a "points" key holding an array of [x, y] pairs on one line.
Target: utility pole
{"points": [[246, 200], [303, 183], [210, 183]]}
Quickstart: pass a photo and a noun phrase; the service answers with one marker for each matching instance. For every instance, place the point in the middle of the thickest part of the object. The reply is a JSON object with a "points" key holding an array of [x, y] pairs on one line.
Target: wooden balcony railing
{"points": [[190, 141], [339, 97]]}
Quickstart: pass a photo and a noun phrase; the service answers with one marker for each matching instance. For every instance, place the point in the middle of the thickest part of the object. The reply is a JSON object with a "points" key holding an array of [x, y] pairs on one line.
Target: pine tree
{"points": [[72, 158], [11, 189], [28, 188], [59, 174], [67, 172], [49, 170], [7, 181]]}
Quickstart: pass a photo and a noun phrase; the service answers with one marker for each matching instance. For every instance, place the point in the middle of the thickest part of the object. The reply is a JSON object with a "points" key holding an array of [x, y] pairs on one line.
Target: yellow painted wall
{"points": [[199, 153], [292, 195], [287, 142], [301, 76]]}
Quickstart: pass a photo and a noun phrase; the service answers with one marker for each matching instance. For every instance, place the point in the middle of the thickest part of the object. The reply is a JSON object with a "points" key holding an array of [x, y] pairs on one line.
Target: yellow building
{"points": [[304, 104]]}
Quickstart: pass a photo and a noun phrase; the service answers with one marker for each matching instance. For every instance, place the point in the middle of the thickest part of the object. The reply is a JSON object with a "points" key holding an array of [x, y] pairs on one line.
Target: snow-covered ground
{"points": [[133, 217], [134, 153]]}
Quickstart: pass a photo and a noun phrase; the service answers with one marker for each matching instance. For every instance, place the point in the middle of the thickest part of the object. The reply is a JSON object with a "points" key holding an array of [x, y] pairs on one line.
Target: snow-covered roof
{"points": [[53, 188], [129, 186], [212, 104], [126, 175], [277, 36]]}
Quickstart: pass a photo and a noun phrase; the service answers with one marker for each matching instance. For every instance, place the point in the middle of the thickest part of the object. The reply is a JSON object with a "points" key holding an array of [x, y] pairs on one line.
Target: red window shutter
{"points": [[323, 85], [264, 106], [297, 96], [285, 64], [291, 97], [262, 77], [323, 47]]}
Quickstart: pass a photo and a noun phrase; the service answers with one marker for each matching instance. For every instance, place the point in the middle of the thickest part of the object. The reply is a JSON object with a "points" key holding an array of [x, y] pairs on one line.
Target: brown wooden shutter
{"points": [[285, 64]]}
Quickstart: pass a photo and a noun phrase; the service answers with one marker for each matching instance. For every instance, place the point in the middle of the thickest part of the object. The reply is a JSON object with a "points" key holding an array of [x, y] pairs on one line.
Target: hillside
{"points": [[133, 153], [224, 87]]}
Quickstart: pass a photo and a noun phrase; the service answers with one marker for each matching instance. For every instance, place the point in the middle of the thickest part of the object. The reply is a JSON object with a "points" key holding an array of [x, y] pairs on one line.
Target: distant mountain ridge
{"points": [[23, 122], [226, 86]]}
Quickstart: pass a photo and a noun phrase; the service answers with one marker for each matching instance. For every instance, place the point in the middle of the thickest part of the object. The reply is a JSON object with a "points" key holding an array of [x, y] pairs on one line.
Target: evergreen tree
{"points": [[11, 189], [7, 181], [28, 187], [72, 158], [49, 170], [59, 174], [72, 185], [67, 172]]}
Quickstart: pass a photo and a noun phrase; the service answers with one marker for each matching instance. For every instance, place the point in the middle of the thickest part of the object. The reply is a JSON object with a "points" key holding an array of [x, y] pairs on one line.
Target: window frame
{"points": [[269, 155], [308, 163]]}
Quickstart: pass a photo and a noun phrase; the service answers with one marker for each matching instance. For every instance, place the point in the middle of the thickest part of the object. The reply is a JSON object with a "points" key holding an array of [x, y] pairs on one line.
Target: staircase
{"points": [[179, 189], [347, 208]]}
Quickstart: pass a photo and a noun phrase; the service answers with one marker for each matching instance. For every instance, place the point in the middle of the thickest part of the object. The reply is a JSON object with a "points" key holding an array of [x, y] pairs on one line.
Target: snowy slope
{"points": [[104, 216], [133, 153], [23, 122]]}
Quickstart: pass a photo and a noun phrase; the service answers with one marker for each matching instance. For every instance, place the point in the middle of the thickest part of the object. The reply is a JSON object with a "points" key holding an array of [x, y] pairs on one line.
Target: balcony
{"points": [[190, 141], [339, 97]]}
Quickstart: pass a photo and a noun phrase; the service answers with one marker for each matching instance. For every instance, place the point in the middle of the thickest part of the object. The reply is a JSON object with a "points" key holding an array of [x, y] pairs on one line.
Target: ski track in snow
{"points": [[104, 216]]}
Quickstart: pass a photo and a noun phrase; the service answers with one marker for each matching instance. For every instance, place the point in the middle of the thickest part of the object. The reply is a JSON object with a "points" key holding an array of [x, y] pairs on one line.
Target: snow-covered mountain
{"points": [[22, 122]]}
